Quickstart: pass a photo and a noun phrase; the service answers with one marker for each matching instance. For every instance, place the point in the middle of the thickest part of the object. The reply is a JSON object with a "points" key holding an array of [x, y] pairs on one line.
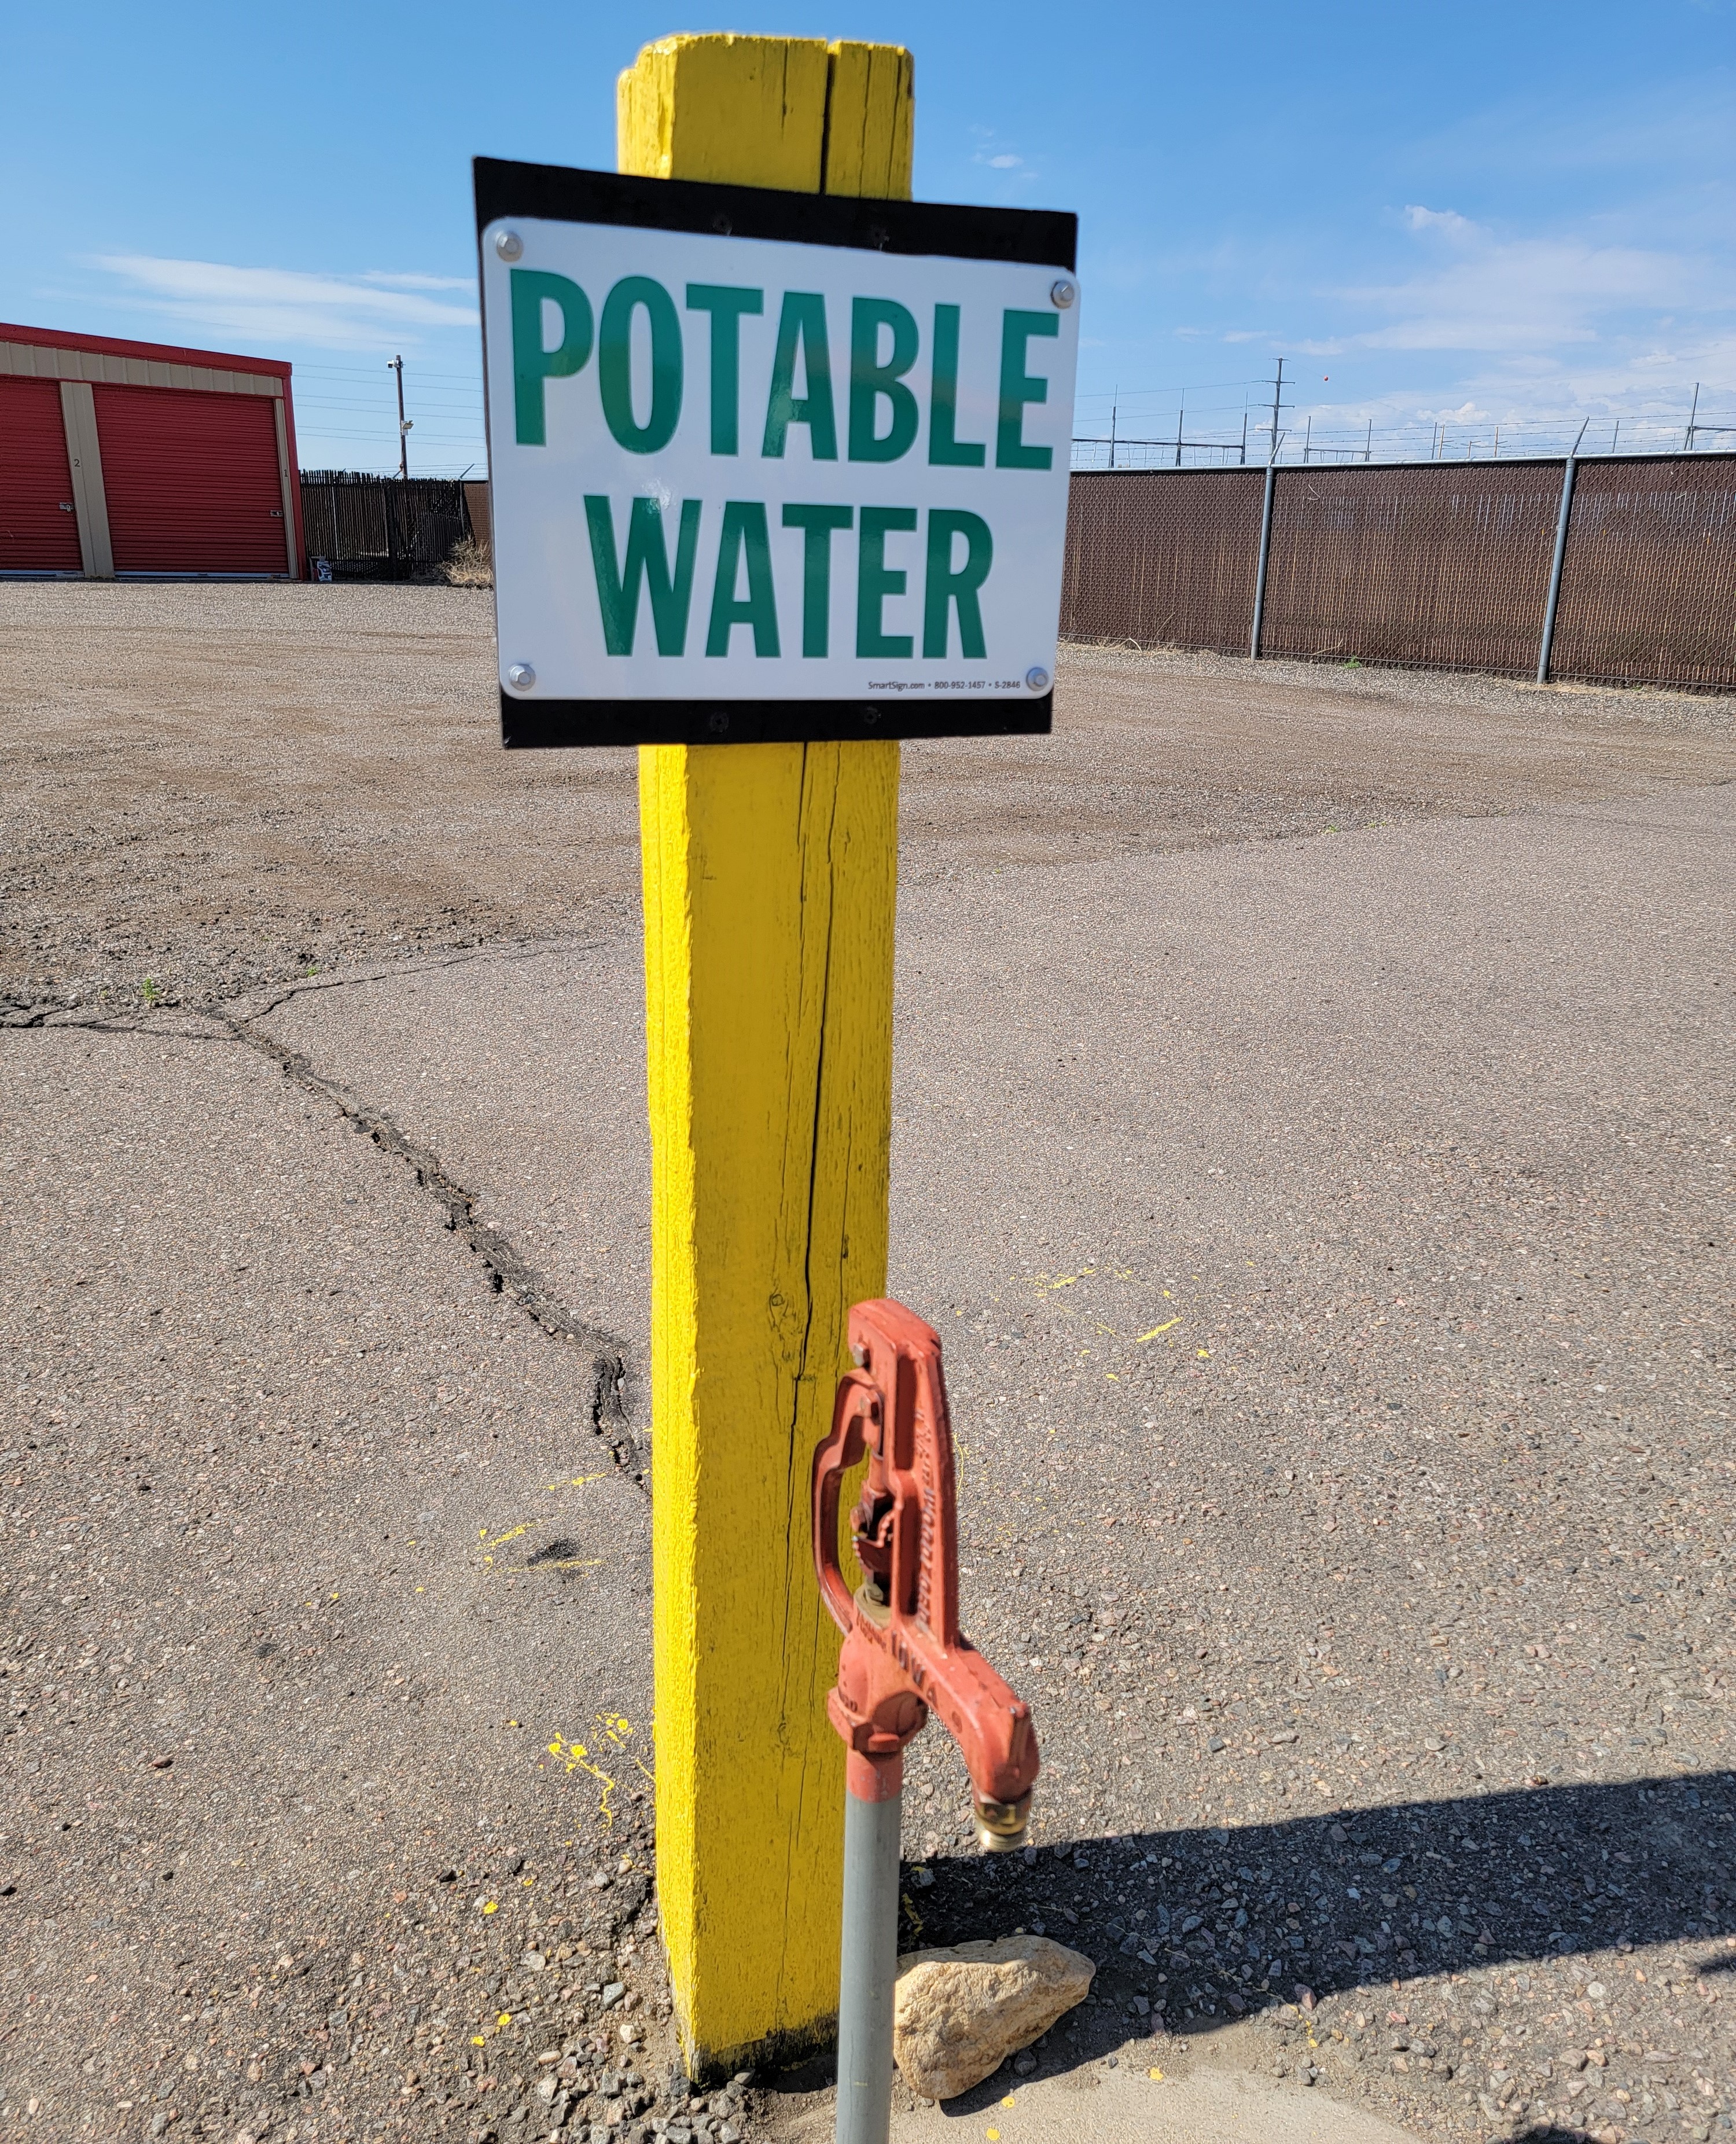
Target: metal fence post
{"points": [[1547, 643], [1253, 645]]}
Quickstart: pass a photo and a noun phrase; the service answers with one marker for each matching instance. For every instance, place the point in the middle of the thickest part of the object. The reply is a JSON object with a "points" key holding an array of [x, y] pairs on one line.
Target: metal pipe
{"points": [[1546, 645], [873, 1807], [1253, 645]]}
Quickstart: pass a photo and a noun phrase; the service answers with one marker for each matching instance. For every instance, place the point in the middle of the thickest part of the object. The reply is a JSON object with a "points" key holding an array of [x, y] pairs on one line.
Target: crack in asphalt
{"points": [[509, 1273], [17, 1010]]}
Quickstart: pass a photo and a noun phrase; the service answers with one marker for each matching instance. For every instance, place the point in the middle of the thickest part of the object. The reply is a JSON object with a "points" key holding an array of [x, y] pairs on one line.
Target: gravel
{"points": [[210, 790]]}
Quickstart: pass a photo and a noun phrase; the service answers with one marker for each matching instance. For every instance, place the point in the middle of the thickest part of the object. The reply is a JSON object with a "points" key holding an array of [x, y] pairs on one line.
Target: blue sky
{"points": [[1458, 215]]}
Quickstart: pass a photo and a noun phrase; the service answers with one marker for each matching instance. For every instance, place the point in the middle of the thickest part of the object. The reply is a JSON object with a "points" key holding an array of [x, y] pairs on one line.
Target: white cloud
{"points": [[264, 305], [1486, 292], [420, 282], [992, 151], [1447, 220]]}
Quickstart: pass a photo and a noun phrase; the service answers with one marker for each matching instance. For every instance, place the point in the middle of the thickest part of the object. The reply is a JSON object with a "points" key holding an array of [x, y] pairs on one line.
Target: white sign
{"points": [[743, 469]]}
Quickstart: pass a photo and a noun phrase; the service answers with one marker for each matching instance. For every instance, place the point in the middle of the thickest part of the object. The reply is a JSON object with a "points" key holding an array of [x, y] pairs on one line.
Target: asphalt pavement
{"points": [[1330, 1233], [1331, 1241], [305, 1747]]}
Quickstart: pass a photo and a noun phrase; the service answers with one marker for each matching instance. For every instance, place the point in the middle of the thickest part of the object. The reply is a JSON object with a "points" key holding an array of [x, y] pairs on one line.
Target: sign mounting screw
{"points": [[521, 676], [1061, 291], [1037, 677], [510, 246]]}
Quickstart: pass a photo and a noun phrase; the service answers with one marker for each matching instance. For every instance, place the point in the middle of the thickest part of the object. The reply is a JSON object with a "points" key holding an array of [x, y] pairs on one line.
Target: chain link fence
{"points": [[1442, 565], [1163, 556], [1648, 583]]}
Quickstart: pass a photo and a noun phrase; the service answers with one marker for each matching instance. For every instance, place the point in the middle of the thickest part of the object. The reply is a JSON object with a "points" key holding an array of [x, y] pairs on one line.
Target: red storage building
{"points": [[138, 458]]}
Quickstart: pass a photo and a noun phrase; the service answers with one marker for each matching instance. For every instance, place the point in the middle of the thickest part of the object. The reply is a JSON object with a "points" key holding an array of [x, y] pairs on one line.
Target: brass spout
{"points": [[1001, 1826]]}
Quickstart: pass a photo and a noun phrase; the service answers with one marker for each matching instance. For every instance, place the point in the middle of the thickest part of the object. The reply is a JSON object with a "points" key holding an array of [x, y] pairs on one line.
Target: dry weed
{"points": [[470, 565]]}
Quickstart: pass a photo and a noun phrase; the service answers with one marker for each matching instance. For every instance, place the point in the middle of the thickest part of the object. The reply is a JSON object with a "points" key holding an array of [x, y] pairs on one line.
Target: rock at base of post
{"points": [[961, 2012]]}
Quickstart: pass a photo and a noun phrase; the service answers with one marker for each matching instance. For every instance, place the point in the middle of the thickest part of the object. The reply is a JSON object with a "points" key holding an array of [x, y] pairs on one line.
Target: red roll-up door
{"points": [[38, 528], [192, 482]]}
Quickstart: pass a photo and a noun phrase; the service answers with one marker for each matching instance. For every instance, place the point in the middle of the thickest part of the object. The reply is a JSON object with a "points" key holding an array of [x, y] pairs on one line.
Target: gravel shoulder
{"points": [[212, 789]]}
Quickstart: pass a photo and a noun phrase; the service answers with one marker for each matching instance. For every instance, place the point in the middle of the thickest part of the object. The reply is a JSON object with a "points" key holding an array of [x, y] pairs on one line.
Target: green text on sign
{"points": [[642, 566], [888, 389]]}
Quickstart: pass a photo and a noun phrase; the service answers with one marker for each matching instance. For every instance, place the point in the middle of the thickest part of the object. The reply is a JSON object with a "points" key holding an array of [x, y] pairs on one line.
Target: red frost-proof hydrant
{"points": [[904, 1656]]}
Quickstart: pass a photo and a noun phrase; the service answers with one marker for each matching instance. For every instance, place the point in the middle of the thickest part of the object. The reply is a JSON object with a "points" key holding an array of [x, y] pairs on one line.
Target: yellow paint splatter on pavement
{"points": [[1155, 1331], [615, 1728], [577, 1758]]}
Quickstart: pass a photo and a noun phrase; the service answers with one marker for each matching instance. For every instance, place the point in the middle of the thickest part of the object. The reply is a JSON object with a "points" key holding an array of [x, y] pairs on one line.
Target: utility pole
{"points": [[1180, 414], [1368, 444], [405, 425], [1112, 409], [1693, 412], [1244, 434], [1308, 436], [1277, 397]]}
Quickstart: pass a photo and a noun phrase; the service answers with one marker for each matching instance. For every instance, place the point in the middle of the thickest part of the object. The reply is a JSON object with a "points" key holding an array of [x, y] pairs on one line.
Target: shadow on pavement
{"points": [[1194, 1929]]}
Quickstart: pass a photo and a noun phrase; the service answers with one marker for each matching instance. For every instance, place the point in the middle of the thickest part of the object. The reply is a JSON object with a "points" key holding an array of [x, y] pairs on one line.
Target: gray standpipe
{"points": [[869, 1967]]}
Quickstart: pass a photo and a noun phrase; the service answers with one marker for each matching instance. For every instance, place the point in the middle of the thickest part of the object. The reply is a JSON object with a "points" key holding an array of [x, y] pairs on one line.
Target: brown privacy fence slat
{"points": [[1163, 556], [1442, 565], [1648, 585]]}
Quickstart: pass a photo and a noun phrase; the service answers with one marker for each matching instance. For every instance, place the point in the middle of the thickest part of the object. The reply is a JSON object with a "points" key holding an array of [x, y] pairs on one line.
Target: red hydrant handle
{"points": [[833, 1458]]}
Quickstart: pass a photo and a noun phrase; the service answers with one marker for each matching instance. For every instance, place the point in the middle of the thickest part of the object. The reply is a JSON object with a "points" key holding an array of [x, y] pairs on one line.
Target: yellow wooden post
{"points": [[770, 873]]}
